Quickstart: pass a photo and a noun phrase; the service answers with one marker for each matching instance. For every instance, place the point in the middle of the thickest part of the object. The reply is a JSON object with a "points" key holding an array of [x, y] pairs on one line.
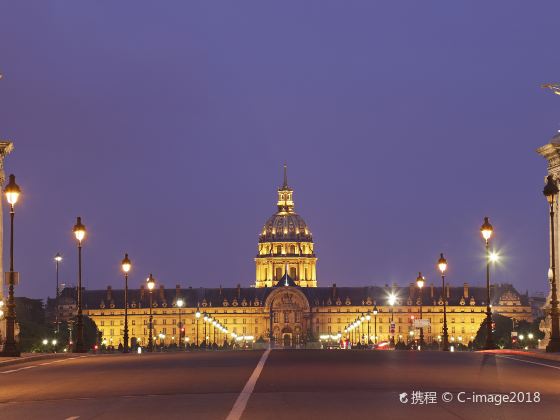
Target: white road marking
{"points": [[42, 364], [243, 398], [528, 361], [72, 418]]}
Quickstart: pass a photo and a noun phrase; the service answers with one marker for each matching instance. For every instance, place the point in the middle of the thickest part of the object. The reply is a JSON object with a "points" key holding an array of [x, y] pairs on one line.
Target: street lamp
{"points": [[197, 316], [442, 265], [80, 233], [392, 301], [150, 281], [11, 348], [180, 304], [362, 319], [57, 259], [368, 317], [550, 192], [126, 266], [205, 319], [375, 323], [420, 283], [486, 230]]}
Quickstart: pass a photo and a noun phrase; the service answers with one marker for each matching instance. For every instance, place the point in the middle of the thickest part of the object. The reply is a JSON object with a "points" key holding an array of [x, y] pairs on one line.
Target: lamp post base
{"points": [[10, 350], [553, 345]]}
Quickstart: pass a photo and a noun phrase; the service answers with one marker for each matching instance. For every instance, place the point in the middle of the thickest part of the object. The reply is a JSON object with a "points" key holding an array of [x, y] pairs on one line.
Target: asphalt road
{"points": [[293, 384]]}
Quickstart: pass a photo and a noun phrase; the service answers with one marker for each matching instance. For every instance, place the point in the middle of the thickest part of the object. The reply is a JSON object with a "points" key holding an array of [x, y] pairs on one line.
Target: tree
{"points": [[503, 326]]}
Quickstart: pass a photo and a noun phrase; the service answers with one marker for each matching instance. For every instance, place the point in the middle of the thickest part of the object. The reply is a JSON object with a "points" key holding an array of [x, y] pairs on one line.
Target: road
{"points": [[291, 384]]}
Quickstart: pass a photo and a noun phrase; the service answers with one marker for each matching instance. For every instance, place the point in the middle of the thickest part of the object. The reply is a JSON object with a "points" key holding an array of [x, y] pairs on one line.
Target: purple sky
{"points": [[165, 126]]}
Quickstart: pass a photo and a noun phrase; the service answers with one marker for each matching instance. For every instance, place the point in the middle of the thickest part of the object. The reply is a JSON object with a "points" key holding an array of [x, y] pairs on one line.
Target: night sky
{"points": [[165, 125]]}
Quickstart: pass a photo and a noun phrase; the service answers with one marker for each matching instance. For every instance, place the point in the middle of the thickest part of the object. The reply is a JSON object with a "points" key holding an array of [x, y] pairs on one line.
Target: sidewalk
{"points": [[534, 353], [30, 357]]}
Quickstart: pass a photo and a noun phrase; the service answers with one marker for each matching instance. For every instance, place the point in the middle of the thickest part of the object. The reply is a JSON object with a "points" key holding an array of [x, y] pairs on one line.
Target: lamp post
{"points": [[11, 348], [392, 301], [362, 319], [80, 232], [151, 284], [486, 230], [205, 319], [375, 323], [368, 317], [57, 260], [197, 316], [126, 265], [180, 304], [550, 192], [420, 283], [442, 265]]}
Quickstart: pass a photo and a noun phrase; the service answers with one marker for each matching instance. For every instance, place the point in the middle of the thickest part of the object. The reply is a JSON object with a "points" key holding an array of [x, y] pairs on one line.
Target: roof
{"points": [[318, 296]]}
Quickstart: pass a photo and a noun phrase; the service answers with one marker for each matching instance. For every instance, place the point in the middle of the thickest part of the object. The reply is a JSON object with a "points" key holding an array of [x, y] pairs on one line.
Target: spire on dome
{"points": [[285, 195]]}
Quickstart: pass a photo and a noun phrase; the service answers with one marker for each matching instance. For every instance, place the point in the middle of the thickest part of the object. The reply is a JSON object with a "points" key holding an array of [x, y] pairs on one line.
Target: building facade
{"points": [[287, 305]]}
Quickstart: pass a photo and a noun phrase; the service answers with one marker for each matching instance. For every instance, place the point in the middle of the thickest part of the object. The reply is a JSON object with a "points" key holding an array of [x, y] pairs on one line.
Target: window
{"points": [[145, 322], [102, 323], [133, 322], [472, 320], [275, 316], [256, 330], [112, 322], [286, 317]]}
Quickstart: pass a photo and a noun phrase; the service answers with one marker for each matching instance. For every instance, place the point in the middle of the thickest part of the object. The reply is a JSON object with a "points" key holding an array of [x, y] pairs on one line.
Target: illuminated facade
{"points": [[285, 245], [287, 301]]}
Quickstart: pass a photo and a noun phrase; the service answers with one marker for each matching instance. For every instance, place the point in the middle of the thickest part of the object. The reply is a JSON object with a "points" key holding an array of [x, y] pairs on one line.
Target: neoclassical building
{"points": [[286, 245], [287, 301]]}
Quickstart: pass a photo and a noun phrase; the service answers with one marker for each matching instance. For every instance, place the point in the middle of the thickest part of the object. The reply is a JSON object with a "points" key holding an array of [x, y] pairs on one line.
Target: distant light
{"points": [[45, 342], [494, 257]]}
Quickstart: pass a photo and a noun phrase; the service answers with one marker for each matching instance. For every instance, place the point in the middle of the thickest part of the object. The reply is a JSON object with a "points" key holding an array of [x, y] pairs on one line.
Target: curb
{"points": [[533, 355], [25, 359]]}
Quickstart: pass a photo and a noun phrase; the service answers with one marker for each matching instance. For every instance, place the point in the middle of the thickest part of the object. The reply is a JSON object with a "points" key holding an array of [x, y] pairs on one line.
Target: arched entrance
{"points": [[289, 314]]}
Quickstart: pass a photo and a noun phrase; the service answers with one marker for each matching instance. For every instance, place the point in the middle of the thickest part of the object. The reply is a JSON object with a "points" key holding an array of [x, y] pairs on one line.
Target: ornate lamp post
{"points": [[150, 281], [368, 318], [442, 265], [392, 301], [57, 260], [11, 348], [375, 323], [550, 192], [362, 319], [486, 230], [420, 283], [180, 304], [197, 316], [205, 319], [80, 233], [126, 265]]}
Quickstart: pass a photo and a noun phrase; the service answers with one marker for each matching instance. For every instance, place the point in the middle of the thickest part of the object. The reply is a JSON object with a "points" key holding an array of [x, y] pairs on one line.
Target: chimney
{"points": [[161, 292], [142, 291], [177, 289], [411, 290], [220, 290], [466, 290], [432, 290], [238, 291], [109, 294], [334, 290], [448, 291]]}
